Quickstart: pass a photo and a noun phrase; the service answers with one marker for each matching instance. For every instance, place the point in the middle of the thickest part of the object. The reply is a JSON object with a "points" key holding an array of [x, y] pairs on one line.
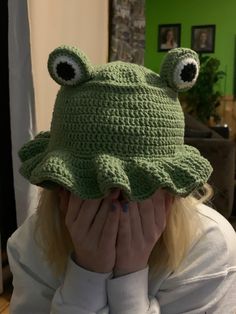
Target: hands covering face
{"points": [[113, 236]]}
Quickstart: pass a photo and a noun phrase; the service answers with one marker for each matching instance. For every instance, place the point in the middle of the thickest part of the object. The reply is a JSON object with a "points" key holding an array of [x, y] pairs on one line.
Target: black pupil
{"points": [[188, 73], [65, 71]]}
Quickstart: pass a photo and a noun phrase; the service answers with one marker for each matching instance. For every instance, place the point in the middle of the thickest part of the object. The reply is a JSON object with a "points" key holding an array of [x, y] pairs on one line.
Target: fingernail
{"points": [[125, 207], [113, 207]]}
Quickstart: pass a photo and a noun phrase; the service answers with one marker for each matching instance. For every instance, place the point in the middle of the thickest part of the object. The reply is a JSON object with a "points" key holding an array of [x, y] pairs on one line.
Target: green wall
{"points": [[194, 12]]}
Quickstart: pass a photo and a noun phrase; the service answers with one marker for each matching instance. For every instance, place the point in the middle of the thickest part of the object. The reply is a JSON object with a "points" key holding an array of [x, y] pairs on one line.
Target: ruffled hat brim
{"points": [[92, 178]]}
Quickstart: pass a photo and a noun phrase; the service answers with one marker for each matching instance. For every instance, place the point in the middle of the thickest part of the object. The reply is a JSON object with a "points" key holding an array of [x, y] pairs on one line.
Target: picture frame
{"points": [[168, 36], [203, 38]]}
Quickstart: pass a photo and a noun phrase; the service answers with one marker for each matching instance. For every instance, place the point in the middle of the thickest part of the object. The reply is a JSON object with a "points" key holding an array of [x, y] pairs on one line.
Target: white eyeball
{"points": [[185, 74], [180, 69], [66, 71]]}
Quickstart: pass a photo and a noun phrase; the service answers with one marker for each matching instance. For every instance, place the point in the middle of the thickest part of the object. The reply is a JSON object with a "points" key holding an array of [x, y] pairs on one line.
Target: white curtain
{"points": [[22, 109], [35, 29]]}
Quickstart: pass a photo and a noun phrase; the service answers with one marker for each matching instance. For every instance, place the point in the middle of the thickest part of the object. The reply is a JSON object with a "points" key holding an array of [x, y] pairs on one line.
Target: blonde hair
{"points": [[181, 230]]}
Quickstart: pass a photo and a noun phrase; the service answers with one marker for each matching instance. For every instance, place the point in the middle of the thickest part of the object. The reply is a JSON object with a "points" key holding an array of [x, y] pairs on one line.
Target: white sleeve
{"points": [[209, 295], [205, 280], [37, 290], [82, 292], [129, 294], [31, 294]]}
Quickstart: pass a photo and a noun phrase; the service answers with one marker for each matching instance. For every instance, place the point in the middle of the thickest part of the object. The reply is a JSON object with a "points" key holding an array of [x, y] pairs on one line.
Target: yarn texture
{"points": [[117, 125]]}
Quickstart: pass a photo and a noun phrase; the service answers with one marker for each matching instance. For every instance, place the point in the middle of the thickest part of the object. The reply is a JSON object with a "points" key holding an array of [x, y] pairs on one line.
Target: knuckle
{"points": [[152, 237]]}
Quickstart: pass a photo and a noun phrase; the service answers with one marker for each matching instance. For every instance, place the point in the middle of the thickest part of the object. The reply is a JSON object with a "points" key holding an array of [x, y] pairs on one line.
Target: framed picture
{"points": [[168, 36], [203, 38]]}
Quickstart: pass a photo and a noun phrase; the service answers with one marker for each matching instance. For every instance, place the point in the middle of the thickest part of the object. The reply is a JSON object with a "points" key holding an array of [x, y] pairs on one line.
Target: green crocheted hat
{"points": [[117, 125]]}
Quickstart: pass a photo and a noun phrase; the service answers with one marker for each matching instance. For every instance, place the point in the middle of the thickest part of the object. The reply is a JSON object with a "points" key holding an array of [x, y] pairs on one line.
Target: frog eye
{"points": [[69, 66], [185, 74], [180, 69]]}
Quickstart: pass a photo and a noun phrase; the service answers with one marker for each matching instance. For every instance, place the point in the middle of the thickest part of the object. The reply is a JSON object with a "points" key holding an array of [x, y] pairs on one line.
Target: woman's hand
{"points": [[141, 225], [93, 227]]}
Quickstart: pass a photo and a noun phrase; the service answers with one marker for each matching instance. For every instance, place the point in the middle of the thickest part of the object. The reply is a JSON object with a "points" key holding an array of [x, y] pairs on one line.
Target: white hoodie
{"points": [[204, 283]]}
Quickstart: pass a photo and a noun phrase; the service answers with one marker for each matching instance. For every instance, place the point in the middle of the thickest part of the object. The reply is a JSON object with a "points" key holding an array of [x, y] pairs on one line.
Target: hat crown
{"points": [[124, 110], [125, 74], [120, 108]]}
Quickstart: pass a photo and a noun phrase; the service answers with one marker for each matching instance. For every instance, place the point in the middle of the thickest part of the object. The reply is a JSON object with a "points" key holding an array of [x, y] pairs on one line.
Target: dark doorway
{"points": [[7, 197]]}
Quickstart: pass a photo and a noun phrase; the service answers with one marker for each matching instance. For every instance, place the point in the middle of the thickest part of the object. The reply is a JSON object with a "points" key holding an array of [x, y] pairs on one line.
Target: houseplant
{"points": [[202, 100]]}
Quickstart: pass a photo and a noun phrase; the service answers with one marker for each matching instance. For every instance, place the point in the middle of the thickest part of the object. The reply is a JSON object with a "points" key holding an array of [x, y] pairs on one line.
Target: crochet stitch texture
{"points": [[117, 125]]}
